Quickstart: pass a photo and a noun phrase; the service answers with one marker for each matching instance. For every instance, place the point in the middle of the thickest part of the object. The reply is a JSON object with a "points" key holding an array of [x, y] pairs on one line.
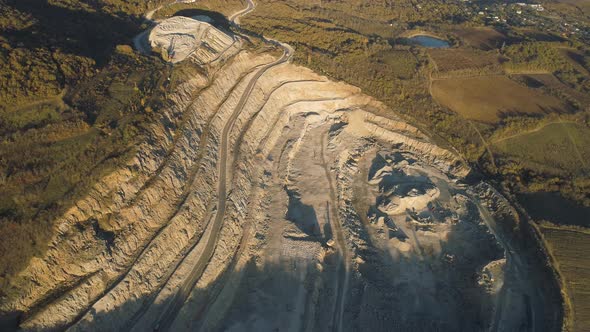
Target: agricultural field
{"points": [[560, 146], [484, 38], [489, 98], [569, 248], [464, 62]]}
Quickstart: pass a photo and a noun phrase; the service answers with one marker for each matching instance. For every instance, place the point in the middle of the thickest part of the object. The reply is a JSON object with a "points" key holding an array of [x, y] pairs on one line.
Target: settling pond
{"points": [[428, 41]]}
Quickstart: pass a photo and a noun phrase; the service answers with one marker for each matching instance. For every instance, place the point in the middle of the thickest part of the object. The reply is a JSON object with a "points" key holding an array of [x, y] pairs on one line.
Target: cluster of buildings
{"points": [[525, 15], [531, 15]]}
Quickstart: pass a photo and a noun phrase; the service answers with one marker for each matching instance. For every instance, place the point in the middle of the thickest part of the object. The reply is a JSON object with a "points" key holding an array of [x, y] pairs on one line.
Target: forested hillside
{"points": [[73, 101]]}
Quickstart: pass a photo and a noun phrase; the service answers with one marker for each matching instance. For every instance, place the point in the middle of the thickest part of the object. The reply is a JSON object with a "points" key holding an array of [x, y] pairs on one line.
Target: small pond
{"points": [[428, 41]]}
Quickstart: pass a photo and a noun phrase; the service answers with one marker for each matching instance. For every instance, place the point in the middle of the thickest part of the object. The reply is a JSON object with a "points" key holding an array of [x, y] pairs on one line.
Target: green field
{"points": [[569, 249], [562, 146]]}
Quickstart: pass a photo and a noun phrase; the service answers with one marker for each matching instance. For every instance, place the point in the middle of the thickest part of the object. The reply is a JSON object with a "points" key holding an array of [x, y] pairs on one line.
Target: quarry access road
{"points": [[180, 297], [182, 294], [343, 267], [235, 17], [517, 263]]}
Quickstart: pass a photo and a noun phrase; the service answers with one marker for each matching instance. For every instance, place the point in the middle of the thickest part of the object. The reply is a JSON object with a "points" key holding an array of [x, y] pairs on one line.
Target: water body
{"points": [[428, 41]]}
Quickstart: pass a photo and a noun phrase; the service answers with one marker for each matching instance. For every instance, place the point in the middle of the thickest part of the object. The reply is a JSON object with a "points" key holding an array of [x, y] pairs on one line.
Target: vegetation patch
{"points": [[577, 6], [578, 60], [401, 64], [536, 57], [549, 57], [553, 86], [215, 9]]}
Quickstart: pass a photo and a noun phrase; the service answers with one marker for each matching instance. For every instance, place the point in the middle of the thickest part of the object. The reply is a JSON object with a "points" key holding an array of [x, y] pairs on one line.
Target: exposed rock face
{"points": [[270, 197], [183, 37]]}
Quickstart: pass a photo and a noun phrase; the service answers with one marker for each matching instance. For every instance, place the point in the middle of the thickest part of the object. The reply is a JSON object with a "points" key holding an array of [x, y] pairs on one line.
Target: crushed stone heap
{"points": [[179, 38]]}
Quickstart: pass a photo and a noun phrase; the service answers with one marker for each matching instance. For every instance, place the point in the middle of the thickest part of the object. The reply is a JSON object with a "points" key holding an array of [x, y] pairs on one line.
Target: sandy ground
{"points": [[428, 262]]}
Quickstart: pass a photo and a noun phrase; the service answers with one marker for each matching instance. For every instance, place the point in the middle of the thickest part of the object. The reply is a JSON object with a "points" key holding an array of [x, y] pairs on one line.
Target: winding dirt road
{"points": [[179, 298], [182, 294], [344, 267], [235, 17]]}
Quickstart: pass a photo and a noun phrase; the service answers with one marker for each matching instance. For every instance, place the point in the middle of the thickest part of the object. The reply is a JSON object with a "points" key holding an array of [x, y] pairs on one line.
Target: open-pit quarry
{"points": [[271, 198]]}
